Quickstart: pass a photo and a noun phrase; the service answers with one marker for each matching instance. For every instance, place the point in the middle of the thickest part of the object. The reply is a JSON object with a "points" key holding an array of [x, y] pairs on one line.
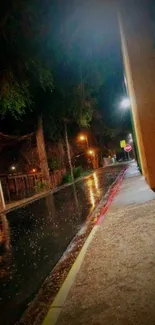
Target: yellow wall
{"points": [[139, 62]]}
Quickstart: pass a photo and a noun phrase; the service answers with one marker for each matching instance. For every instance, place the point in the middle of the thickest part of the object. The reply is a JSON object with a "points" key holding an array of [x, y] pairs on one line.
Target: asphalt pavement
{"points": [[34, 237]]}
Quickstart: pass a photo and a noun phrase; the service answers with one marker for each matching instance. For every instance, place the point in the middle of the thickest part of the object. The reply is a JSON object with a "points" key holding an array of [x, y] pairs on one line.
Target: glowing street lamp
{"points": [[91, 152], [82, 138], [13, 168], [125, 103]]}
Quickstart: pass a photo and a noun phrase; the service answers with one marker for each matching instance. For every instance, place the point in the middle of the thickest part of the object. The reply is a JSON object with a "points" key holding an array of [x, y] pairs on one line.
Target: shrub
{"points": [[77, 172], [40, 186], [67, 178]]}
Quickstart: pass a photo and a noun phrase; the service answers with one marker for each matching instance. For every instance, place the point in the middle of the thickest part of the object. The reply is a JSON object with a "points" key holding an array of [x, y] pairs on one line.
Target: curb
{"points": [[112, 194], [57, 305], [20, 204]]}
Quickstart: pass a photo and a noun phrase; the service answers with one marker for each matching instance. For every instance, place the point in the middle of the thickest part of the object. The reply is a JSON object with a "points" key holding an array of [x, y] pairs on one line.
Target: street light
{"points": [[82, 138], [13, 168], [91, 152], [125, 103]]}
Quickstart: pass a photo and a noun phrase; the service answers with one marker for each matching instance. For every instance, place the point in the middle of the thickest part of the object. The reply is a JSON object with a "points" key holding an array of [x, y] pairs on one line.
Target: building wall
{"points": [[139, 61]]}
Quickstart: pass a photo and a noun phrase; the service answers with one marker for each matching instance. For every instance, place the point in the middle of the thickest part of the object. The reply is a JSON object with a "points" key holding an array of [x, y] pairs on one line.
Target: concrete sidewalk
{"points": [[116, 281]]}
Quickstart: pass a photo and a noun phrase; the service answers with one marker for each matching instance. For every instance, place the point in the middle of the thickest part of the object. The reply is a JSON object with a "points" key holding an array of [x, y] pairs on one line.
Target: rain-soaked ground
{"points": [[33, 238]]}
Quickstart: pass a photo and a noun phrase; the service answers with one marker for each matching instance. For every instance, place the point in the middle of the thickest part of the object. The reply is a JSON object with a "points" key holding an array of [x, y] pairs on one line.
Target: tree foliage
{"points": [[23, 68], [33, 76]]}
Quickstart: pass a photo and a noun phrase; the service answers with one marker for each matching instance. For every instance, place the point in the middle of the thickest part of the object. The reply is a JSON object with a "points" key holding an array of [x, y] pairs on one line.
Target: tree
{"points": [[24, 71], [26, 79]]}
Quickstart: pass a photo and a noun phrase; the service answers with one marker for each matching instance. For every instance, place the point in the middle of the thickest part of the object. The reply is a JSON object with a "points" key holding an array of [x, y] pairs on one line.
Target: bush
{"points": [[77, 172], [40, 186], [67, 178]]}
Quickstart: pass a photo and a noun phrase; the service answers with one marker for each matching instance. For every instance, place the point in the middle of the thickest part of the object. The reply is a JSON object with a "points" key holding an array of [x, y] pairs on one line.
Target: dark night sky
{"points": [[86, 33], [90, 32]]}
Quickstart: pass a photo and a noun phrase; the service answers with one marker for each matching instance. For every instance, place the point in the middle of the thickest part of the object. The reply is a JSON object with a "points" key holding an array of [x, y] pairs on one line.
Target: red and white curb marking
{"points": [[113, 192]]}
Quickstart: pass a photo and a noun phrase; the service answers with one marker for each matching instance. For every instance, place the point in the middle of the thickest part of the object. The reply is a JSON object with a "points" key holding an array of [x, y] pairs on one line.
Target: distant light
{"points": [[13, 167], [125, 103], [33, 170], [82, 137], [91, 152]]}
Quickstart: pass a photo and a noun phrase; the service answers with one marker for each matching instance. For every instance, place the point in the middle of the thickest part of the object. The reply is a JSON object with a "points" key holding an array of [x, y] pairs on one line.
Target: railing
{"points": [[16, 187]]}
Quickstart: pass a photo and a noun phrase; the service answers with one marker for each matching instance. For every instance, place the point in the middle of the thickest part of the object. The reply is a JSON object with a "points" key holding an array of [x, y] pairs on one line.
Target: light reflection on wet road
{"points": [[33, 238]]}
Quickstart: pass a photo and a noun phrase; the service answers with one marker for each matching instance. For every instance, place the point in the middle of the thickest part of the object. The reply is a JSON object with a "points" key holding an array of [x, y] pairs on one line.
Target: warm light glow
{"points": [[125, 103], [13, 168], [91, 191], [82, 137], [95, 181], [92, 197], [33, 170], [91, 152]]}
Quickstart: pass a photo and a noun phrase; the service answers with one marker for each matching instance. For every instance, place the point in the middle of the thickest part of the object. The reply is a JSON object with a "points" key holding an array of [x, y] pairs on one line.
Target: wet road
{"points": [[33, 238]]}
